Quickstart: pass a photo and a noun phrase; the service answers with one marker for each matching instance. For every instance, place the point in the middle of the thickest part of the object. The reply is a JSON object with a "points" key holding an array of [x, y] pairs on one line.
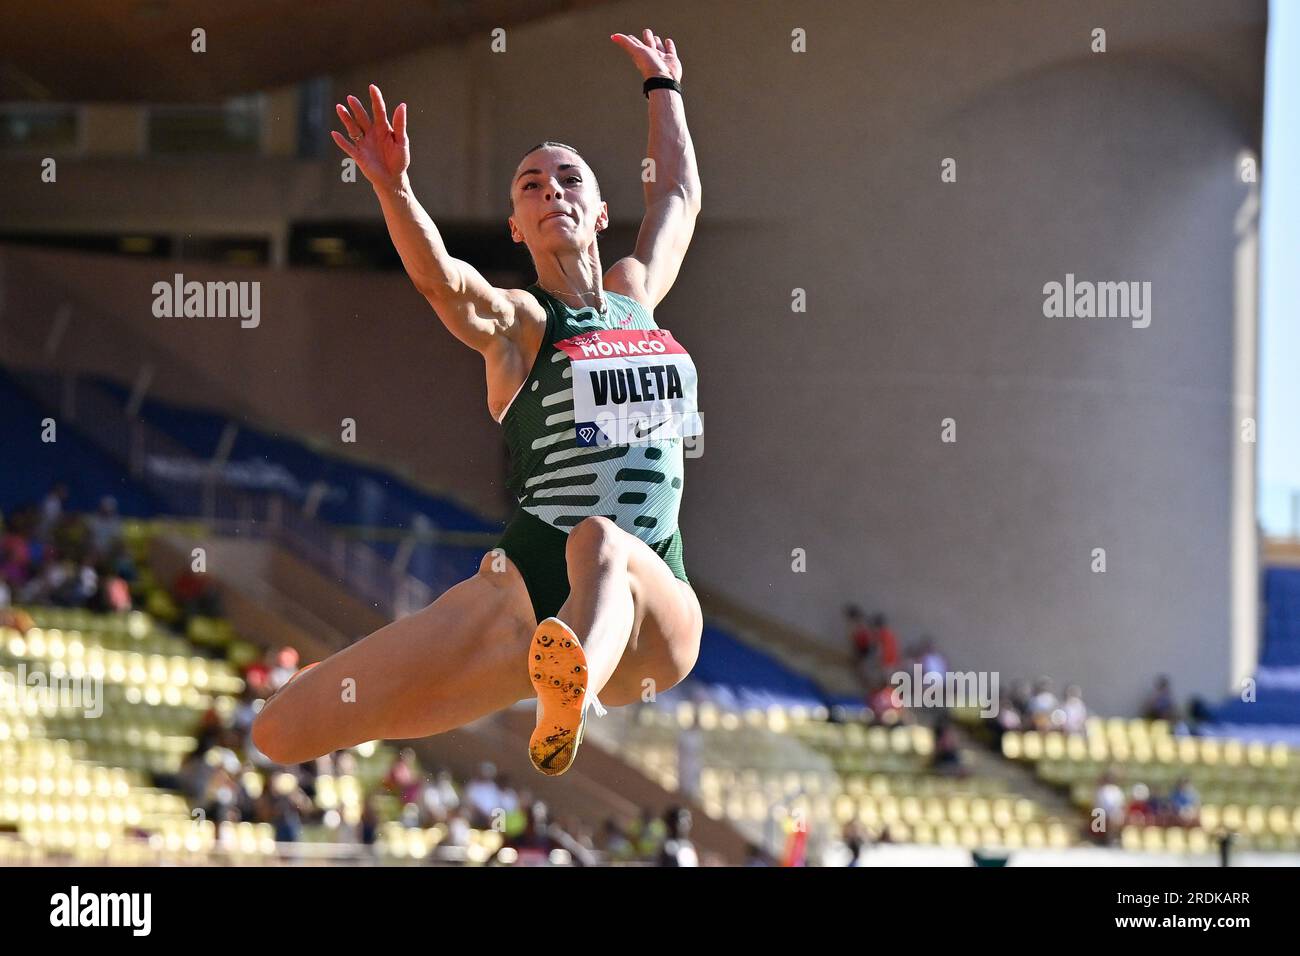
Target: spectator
{"points": [[15, 554], [931, 661], [369, 821], [1075, 711], [195, 595], [113, 595], [855, 839], [947, 750], [1006, 719], [1042, 705], [859, 632], [1111, 803], [288, 804], [1160, 702], [105, 528], [617, 845], [648, 834], [403, 777], [482, 797], [1140, 809], [435, 797], [884, 642], [507, 799], [536, 838], [283, 667], [1185, 803], [885, 706], [677, 848], [51, 511], [458, 828]]}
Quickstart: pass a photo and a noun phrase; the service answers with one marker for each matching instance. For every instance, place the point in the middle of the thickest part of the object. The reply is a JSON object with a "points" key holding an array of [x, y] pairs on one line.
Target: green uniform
{"points": [[558, 481]]}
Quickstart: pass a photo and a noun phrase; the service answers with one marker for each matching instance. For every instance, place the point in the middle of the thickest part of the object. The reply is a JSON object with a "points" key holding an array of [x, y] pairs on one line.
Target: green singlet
{"points": [[558, 480]]}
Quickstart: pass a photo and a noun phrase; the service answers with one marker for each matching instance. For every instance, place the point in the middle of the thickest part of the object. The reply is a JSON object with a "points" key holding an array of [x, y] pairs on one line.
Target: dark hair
{"points": [[549, 142]]}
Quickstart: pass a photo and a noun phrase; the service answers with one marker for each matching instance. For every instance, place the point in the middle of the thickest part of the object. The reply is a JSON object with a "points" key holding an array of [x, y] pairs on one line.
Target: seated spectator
{"points": [[284, 666], [15, 555], [113, 595], [536, 840], [482, 798], [195, 595], [508, 800], [947, 750], [931, 661], [648, 833], [1042, 704], [1185, 803], [1160, 702], [51, 511], [288, 805], [859, 632], [105, 528], [1075, 711], [677, 848], [1110, 801], [884, 704], [1140, 809], [458, 828], [1006, 719], [403, 777], [616, 844]]}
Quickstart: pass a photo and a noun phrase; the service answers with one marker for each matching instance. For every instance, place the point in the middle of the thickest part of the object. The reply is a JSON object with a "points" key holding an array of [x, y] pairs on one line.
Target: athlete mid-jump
{"points": [[586, 593]]}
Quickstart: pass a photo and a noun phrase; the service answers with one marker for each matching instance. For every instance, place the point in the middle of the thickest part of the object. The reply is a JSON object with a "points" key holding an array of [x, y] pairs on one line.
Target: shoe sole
{"points": [[557, 668]]}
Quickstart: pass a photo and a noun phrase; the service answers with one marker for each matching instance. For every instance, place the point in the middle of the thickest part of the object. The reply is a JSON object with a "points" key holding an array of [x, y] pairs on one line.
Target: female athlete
{"points": [[586, 593]]}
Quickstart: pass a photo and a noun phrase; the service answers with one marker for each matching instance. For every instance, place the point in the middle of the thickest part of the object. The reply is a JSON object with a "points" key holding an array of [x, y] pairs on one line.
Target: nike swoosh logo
{"points": [[642, 434], [551, 757]]}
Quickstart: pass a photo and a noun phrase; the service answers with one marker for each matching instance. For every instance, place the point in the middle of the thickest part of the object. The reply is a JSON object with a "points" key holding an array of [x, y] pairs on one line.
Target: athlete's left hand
{"points": [[653, 55]]}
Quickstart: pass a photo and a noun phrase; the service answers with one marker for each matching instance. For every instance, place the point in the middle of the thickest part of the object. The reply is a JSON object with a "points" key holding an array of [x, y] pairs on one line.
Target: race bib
{"points": [[631, 386]]}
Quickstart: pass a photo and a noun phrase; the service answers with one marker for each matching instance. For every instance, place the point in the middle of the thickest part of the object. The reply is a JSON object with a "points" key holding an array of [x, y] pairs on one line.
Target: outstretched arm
{"points": [[672, 198], [473, 310]]}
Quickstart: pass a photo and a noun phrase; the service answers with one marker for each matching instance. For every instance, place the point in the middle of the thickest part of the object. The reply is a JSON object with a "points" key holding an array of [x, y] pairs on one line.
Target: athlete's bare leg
{"points": [[638, 624], [459, 659], [466, 655]]}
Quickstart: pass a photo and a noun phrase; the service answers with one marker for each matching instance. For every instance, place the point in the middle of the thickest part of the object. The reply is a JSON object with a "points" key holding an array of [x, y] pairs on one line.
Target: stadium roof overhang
{"points": [[140, 50]]}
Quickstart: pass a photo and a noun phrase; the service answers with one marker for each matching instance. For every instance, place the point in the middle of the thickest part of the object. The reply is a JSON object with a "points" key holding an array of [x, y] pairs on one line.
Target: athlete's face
{"points": [[556, 205]]}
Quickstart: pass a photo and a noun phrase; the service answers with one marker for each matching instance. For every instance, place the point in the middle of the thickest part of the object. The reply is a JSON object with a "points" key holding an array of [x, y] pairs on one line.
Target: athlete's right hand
{"points": [[382, 152]]}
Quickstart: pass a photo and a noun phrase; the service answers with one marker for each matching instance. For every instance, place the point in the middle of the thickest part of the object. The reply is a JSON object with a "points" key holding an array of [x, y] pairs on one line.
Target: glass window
{"points": [[36, 127], [234, 126]]}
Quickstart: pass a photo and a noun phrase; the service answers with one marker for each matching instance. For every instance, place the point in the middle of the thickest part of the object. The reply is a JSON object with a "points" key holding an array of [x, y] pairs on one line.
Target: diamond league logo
{"points": [[586, 433]]}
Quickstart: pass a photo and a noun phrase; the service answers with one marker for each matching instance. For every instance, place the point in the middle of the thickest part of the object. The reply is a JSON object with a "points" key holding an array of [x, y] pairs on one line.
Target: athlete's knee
{"points": [[275, 729], [496, 566], [273, 734], [596, 539], [510, 597]]}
